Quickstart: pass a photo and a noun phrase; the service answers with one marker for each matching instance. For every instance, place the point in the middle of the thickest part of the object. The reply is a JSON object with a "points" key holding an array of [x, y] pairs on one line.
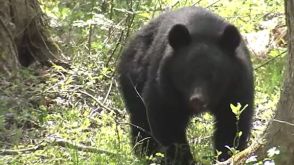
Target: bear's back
{"points": [[199, 21]]}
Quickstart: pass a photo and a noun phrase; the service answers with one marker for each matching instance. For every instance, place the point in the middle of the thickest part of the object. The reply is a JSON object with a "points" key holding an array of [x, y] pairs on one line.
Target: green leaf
{"points": [[235, 109]]}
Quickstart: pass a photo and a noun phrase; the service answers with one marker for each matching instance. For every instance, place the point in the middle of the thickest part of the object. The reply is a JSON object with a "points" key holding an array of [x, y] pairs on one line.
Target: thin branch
{"points": [[53, 141], [138, 127], [90, 38], [91, 29], [241, 157], [116, 111], [212, 4], [118, 43], [270, 60], [18, 151], [196, 3], [68, 144], [109, 90], [283, 122]]}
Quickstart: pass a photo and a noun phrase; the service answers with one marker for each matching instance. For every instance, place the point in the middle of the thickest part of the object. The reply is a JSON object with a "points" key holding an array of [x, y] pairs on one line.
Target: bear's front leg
{"points": [[225, 132], [168, 127], [178, 154]]}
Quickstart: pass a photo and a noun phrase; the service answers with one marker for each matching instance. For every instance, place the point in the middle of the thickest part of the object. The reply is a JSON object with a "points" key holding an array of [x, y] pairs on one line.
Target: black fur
{"points": [[179, 65]]}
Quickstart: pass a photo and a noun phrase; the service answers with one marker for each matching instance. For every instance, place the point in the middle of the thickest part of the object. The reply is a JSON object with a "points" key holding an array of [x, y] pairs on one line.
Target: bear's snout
{"points": [[198, 103]]}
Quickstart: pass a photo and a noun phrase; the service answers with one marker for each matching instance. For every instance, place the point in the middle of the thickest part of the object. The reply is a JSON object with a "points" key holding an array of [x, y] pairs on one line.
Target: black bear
{"points": [[181, 64]]}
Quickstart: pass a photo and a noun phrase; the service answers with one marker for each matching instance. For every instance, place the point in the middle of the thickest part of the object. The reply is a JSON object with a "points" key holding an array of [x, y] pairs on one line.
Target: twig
{"points": [[196, 3], [240, 158], [212, 4], [138, 127], [130, 21], [16, 152], [284, 122], [118, 43], [117, 132], [53, 141], [65, 143], [172, 5], [116, 111], [91, 29], [124, 11], [109, 90], [270, 60], [90, 38], [123, 36]]}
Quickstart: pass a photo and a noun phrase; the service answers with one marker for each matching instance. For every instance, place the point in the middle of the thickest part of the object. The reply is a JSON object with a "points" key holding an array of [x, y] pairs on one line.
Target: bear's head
{"points": [[201, 67]]}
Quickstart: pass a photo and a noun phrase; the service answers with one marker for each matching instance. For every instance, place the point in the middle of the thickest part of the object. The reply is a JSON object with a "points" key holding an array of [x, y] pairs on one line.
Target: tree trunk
{"points": [[280, 132], [8, 50], [23, 36]]}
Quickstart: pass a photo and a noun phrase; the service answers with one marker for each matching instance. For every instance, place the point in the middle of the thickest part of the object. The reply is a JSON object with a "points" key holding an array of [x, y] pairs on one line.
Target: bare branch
{"points": [[53, 141], [241, 157], [117, 111]]}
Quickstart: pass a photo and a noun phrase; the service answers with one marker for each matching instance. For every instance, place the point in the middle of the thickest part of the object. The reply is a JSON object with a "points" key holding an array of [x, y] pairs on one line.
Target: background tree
{"points": [[24, 35], [280, 131]]}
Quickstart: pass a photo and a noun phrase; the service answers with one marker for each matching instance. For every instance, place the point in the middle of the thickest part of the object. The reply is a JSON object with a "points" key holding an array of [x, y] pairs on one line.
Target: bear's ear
{"points": [[179, 36], [230, 39]]}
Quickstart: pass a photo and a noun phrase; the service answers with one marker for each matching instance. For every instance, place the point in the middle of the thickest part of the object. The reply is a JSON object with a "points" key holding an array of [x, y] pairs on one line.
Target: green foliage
{"points": [[199, 134], [82, 103], [271, 73]]}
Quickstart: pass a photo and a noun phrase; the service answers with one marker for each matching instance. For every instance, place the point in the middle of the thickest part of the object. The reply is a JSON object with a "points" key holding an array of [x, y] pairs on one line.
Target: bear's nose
{"points": [[197, 103]]}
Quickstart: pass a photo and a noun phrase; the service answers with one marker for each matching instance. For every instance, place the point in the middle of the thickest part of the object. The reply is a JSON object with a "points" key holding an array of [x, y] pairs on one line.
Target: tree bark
{"points": [[8, 50], [280, 132], [24, 36]]}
